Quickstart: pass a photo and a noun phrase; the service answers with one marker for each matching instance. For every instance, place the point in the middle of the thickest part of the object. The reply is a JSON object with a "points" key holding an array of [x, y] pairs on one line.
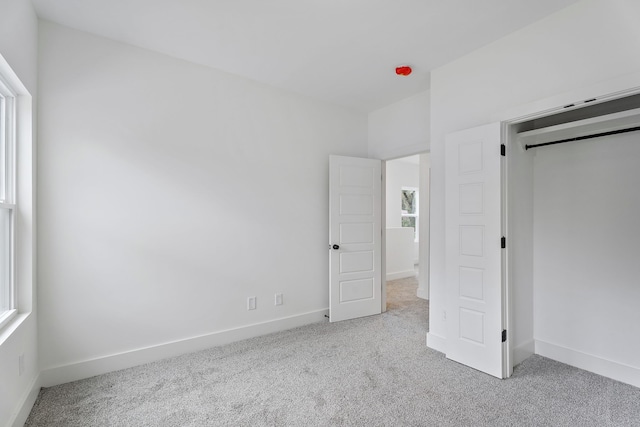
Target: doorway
{"points": [[407, 228]]}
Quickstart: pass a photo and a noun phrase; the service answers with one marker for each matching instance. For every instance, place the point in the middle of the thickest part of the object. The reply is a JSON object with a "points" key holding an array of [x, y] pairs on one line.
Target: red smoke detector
{"points": [[404, 70]]}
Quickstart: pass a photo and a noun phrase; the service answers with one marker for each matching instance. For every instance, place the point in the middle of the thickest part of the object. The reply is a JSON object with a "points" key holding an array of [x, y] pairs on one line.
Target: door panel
{"points": [[354, 262], [473, 249], [355, 227], [356, 290], [356, 233]]}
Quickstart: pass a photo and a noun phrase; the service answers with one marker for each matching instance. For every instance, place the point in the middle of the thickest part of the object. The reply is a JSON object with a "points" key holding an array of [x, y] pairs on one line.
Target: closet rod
{"points": [[580, 138]]}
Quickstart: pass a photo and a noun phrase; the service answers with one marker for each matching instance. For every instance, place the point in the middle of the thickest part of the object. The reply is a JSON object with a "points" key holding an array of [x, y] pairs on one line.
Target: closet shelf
{"points": [[581, 128]]}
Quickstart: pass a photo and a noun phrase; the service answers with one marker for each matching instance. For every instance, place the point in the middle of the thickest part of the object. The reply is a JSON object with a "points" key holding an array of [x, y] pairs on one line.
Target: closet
{"points": [[572, 192]]}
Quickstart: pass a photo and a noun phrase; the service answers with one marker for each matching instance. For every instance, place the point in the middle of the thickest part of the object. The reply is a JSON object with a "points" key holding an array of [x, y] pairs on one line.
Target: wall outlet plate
{"points": [[278, 299], [252, 303]]}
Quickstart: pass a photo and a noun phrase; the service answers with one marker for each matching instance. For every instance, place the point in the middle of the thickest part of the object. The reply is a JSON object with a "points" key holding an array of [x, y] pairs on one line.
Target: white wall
{"points": [[18, 46], [400, 253], [400, 129], [170, 193], [577, 47], [586, 251]]}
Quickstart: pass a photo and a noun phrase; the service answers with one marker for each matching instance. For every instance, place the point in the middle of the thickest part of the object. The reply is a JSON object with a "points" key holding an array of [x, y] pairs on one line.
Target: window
{"points": [[410, 209], [7, 203]]}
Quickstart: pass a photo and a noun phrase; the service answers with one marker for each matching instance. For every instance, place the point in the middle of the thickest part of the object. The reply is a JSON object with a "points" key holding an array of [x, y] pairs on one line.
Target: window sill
{"points": [[6, 318], [12, 324]]}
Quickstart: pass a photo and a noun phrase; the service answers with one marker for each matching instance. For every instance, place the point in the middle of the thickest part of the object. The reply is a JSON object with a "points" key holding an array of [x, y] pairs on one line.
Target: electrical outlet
{"points": [[252, 303], [444, 314], [278, 299], [20, 364]]}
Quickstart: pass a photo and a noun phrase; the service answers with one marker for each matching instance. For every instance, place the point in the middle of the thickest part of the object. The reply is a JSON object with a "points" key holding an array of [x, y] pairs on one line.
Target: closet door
{"points": [[473, 249]]}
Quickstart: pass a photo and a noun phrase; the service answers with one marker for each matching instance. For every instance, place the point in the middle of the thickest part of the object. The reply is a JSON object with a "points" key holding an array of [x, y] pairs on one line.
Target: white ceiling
{"points": [[341, 51]]}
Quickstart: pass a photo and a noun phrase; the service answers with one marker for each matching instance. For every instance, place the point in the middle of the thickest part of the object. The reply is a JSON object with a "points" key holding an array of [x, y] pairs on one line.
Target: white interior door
{"points": [[473, 249], [355, 233]]}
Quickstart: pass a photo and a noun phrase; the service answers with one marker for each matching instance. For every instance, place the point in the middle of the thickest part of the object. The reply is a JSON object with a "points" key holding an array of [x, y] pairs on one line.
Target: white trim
{"points": [[12, 326], [8, 143], [523, 351], [26, 404], [436, 342], [101, 365], [7, 317], [11, 80], [6, 86], [422, 293], [401, 274], [383, 238], [605, 367], [507, 316]]}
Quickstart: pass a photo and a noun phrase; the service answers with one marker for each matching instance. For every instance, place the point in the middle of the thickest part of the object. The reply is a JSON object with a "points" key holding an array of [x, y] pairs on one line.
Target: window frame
{"points": [[8, 141], [415, 215]]}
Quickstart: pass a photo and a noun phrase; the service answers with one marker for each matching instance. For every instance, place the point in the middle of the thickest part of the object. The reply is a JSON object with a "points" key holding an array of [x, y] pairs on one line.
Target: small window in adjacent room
{"points": [[410, 209], [7, 204]]}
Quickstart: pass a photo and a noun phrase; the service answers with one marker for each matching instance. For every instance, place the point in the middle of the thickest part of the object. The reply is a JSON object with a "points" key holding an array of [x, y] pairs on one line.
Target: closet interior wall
{"points": [[586, 251]]}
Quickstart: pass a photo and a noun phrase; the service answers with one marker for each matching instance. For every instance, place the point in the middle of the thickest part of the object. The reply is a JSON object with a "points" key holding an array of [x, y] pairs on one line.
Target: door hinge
{"points": [[503, 150], [503, 242], [504, 335]]}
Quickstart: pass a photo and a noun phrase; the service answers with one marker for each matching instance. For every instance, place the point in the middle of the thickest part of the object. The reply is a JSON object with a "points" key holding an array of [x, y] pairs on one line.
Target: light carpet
{"points": [[375, 371]]}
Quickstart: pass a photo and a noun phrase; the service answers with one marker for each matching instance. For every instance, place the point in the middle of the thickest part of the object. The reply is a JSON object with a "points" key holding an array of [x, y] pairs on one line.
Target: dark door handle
{"points": [[336, 247]]}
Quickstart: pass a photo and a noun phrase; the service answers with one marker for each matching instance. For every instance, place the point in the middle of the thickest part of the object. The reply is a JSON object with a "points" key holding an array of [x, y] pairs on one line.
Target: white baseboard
{"points": [[422, 293], [401, 274], [523, 351], [436, 342], [605, 367], [89, 368], [26, 404]]}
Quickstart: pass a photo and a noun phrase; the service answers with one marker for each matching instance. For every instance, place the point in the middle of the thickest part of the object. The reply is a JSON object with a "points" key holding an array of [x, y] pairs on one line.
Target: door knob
{"points": [[336, 247]]}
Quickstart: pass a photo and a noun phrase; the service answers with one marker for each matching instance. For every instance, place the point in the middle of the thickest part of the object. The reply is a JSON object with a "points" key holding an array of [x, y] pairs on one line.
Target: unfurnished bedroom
{"points": [[305, 213]]}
